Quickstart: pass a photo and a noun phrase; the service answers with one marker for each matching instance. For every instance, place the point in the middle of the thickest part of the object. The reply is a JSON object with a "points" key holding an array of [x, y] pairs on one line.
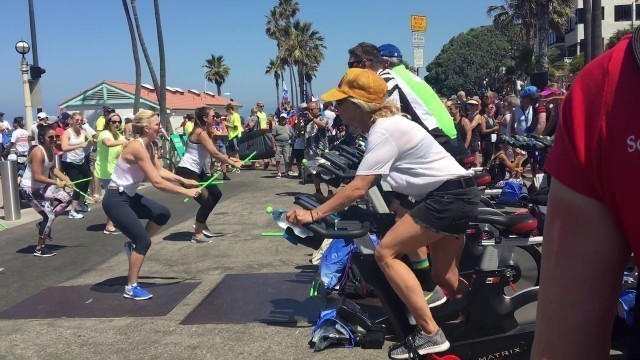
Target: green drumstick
{"points": [[79, 181], [205, 184], [218, 174], [3, 225]]}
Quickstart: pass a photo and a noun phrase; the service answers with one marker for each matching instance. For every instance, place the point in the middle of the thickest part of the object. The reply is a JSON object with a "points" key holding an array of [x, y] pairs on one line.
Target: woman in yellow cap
{"points": [[414, 164]]}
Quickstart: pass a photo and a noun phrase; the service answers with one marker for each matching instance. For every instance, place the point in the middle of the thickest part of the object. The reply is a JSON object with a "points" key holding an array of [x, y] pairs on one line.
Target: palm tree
{"points": [[143, 46], [217, 71], [527, 16], [551, 14], [596, 32], [276, 68], [136, 57], [162, 94], [303, 47]]}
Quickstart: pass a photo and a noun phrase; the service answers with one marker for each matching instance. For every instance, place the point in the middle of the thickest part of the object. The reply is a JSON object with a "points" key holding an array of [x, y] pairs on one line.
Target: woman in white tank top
{"points": [[46, 195], [194, 165], [73, 142], [124, 206]]}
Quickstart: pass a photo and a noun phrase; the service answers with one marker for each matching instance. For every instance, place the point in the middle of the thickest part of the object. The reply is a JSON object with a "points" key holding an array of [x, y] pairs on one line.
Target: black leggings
{"points": [[207, 201], [77, 172], [125, 210]]}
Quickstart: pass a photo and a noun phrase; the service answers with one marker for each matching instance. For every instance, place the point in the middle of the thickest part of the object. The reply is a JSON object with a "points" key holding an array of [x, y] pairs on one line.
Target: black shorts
{"points": [[450, 208], [298, 154]]}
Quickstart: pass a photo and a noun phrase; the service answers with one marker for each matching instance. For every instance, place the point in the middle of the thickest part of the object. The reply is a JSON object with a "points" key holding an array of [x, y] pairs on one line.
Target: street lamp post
{"points": [[22, 47]]}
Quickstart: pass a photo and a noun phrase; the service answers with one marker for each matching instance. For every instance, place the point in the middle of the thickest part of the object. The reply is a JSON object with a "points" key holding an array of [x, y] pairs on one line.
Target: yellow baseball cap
{"points": [[361, 84]]}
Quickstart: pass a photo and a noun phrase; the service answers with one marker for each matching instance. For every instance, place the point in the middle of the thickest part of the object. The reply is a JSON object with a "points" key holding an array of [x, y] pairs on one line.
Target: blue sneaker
{"points": [[136, 292], [128, 248]]}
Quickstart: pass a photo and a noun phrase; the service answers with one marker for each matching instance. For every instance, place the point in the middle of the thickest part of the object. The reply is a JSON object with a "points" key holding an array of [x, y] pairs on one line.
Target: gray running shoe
{"points": [[419, 343], [435, 297]]}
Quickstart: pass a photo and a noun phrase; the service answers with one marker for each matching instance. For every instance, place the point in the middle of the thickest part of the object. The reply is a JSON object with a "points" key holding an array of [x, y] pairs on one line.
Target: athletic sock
{"points": [[422, 270]]}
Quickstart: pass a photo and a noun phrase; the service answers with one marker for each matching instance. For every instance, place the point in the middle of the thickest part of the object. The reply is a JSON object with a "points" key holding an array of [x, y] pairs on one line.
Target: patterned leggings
{"points": [[49, 201]]}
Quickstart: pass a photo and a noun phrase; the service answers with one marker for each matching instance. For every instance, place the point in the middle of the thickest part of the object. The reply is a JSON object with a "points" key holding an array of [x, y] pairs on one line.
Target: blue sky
{"points": [[82, 42]]}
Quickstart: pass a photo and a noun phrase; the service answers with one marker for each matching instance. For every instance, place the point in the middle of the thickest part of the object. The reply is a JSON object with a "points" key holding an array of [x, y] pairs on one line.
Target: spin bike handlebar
{"points": [[326, 227]]}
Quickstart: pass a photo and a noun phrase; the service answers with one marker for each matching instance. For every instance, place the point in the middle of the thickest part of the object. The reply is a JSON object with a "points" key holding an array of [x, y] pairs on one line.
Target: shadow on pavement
{"points": [[96, 227], [186, 236], [290, 193], [31, 248], [116, 284]]}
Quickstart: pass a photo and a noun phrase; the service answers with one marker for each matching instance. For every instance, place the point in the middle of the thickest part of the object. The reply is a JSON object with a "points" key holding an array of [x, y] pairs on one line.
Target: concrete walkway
{"points": [[240, 217]]}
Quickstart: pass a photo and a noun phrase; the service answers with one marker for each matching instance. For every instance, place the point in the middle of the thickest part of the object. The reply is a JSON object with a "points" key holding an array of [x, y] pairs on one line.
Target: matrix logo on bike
{"points": [[512, 351]]}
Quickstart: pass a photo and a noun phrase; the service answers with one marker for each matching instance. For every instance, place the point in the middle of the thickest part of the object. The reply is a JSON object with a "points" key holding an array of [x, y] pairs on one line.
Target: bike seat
{"points": [[518, 224], [482, 178], [540, 200]]}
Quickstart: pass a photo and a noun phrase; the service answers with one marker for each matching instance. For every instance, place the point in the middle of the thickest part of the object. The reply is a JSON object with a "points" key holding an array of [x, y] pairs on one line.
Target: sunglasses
{"points": [[352, 64], [116, 122], [51, 138]]}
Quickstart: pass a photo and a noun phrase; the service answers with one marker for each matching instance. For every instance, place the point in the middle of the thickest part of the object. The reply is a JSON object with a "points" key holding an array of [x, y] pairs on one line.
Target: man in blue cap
{"points": [[529, 118]]}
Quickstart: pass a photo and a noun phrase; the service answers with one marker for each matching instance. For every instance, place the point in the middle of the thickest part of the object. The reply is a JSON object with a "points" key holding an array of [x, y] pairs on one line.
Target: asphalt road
{"points": [[80, 244]]}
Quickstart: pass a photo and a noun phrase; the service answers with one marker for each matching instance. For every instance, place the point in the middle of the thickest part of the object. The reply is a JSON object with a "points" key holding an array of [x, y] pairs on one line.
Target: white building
{"points": [[120, 96], [616, 15]]}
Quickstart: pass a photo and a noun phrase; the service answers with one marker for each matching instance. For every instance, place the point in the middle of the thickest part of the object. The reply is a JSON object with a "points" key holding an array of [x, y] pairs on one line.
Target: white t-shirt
{"points": [[20, 138], [330, 116], [522, 119], [407, 157]]}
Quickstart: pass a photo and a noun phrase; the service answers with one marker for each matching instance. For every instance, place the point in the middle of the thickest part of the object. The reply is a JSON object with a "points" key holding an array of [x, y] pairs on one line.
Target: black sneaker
{"points": [[225, 177], [419, 343], [43, 252]]}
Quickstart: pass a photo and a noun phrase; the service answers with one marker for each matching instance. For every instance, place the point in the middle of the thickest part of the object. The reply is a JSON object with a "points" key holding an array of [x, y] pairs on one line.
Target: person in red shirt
{"points": [[61, 127], [592, 222]]}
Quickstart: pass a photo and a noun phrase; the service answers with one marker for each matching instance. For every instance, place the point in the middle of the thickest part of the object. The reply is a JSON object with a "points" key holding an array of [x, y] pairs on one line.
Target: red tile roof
{"points": [[176, 100]]}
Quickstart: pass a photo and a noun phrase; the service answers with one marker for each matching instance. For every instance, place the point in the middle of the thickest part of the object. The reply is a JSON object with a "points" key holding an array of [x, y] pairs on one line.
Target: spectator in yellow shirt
{"points": [[234, 128]]}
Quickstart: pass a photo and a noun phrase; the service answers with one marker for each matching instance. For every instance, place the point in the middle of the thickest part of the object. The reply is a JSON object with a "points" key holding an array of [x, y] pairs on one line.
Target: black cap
{"points": [[108, 109], [63, 117]]}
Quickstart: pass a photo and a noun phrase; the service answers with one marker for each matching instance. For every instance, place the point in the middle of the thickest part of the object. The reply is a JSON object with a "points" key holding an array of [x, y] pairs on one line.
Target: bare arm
{"points": [[583, 262], [141, 156], [110, 142], [36, 159], [542, 123], [512, 166], [467, 129], [206, 141], [355, 190]]}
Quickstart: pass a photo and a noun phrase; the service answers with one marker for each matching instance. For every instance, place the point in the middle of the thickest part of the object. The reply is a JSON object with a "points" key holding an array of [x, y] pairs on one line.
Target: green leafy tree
{"points": [[474, 61], [576, 64], [217, 71], [616, 36]]}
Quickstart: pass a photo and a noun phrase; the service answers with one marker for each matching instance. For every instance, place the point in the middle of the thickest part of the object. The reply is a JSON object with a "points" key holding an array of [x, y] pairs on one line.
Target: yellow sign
{"points": [[418, 23]]}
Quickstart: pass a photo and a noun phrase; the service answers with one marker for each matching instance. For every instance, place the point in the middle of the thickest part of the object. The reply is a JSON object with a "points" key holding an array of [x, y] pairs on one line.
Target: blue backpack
{"points": [[330, 330], [513, 194], [335, 263]]}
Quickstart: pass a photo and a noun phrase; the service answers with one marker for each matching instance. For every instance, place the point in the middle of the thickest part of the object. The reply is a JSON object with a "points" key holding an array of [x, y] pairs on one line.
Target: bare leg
{"points": [[110, 226], [407, 236], [135, 264], [152, 228], [445, 268]]}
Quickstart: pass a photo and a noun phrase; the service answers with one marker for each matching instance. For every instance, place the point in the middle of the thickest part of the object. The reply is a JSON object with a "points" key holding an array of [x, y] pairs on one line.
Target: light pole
{"points": [[22, 47]]}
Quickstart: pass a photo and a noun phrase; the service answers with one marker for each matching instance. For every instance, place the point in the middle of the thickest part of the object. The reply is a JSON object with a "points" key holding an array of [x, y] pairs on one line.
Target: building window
{"points": [[637, 11], [622, 12], [580, 15]]}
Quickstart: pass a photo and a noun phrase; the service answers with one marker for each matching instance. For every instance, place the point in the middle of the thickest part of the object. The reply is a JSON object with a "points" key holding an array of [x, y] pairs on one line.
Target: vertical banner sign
{"points": [[418, 29]]}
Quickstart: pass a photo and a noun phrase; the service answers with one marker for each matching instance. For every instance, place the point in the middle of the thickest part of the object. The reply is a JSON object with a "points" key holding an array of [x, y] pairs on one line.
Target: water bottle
{"points": [[280, 218], [313, 164]]}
